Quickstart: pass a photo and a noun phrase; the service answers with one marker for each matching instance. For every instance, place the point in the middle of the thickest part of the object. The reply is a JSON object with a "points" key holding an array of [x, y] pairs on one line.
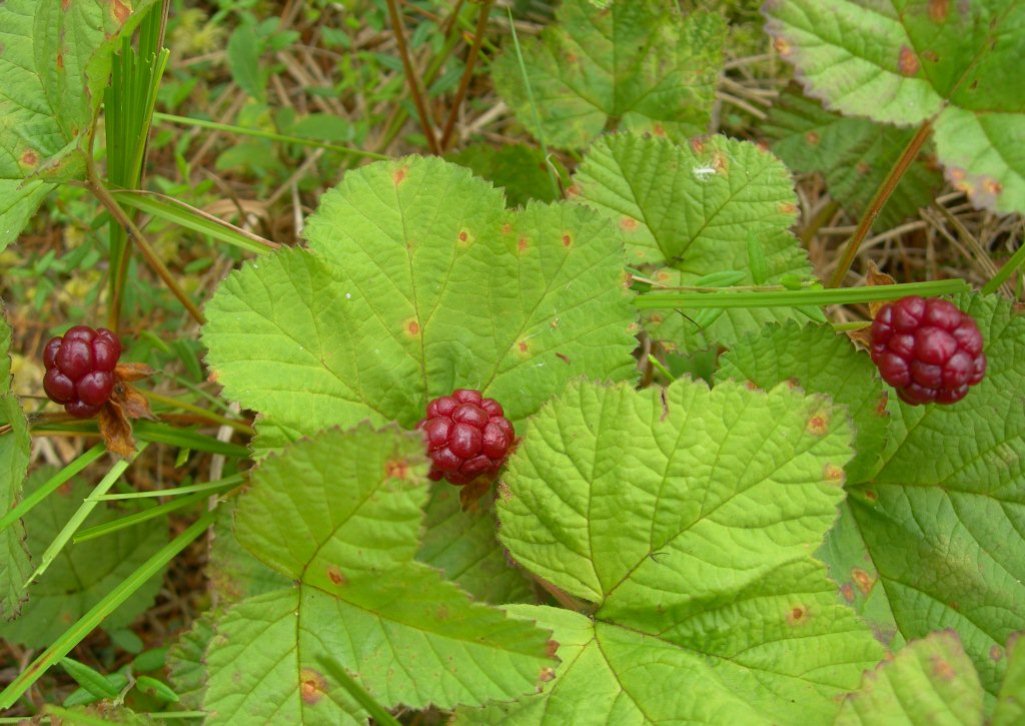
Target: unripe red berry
{"points": [[927, 349], [467, 436], [80, 369]]}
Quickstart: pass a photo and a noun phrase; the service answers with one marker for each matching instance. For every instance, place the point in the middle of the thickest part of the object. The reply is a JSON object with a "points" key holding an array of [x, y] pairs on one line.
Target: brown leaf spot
{"points": [[627, 224], [522, 347], [788, 208], [573, 190], [862, 168], [554, 324], [658, 130], [634, 327], [522, 245], [720, 162], [818, 424], [847, 590], [938, 10], [65, 4], [121, 11], [992, 186], [399, 176], [334, 574], [563, 357], [29, 157], [441, 613], [655, 318], [833, 474], [396, 469], [907, 61], [751, 385], [551, 648], [464, 237], [782, 46], [506, 228], [933, 57], [567, 240], [942, 669], [863, 580], [881, 404], [996, 652], [311, 685], [503, 492], [60, 61], [413, 327], [812, 137], [797, 615], [697, 145], [547, 674], [871, 495], [792, 383], [662, 276]]}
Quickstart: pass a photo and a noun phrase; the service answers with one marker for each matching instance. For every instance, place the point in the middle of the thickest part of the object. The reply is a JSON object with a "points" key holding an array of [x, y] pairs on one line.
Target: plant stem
{"points": [[464, 82], [414, 87], [201, 412], [108, 201], [879, 201]]}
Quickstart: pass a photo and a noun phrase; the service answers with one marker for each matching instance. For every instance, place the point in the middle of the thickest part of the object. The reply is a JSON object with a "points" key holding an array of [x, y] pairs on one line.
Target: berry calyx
{"points": [[927, 349], [80, 369], [468, 436]]}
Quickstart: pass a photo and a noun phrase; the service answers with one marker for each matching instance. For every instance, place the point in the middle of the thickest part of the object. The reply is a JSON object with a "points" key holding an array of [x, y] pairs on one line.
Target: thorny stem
{"points": [[414, 87], [879, 201], [464, 82]]}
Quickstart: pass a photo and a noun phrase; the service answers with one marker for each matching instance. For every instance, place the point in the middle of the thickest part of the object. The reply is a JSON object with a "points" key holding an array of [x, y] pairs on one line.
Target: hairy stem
{"points": [[879, 201], [414, 87]]}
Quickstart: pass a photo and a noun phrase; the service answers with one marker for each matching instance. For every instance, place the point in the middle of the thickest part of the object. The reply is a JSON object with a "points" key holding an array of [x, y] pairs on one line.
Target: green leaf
{"points": [[244, 50], [942, 519], [854, 156], [18, 202], [55, 60], [401, 299], [14, 456], [464, 546], [694, 209], [341, 516], [1010, 708], [818, 360], [931, 681], [636, 65], [186, 660], [93, 681], [954, 64], [688, 516], [518, 169], [234, 573], [82, 574]]}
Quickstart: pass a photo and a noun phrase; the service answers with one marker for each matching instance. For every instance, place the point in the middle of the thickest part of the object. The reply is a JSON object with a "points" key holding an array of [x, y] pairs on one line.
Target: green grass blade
{"points": [[51, 485], [724, 298], [143, 516], [184, 215], [209, 487], [378, 712], [88, 622], [80, 515], [1008, 269]]}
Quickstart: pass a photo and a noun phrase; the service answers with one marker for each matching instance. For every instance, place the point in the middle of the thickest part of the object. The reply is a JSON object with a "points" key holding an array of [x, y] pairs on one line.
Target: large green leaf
{"points": [[83, 573], [930, 682], [464, 545], [520, 170], [711, 206], [19, 200], [14, 455], [954, 63], [403, 298], [853, 154], [341, 516], [636, 65], [943, 519], [688, 516], [1010, 708]]}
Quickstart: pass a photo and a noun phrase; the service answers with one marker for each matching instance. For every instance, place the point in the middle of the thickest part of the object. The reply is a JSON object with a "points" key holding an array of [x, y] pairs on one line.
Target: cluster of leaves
{"points": [[782, 543]]}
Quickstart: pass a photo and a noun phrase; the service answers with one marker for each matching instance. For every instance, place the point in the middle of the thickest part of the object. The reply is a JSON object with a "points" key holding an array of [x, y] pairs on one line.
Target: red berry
{"points": [[80, 369], [467, 436], [927, 349]]}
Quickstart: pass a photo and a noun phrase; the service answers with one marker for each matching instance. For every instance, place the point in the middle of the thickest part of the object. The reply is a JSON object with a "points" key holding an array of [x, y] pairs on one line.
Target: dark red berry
{"points": [[467, 436], [927, 349], [80, 369]]}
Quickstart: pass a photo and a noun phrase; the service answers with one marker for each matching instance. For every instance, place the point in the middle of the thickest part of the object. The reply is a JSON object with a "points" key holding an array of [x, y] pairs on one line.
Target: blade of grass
{"points": [[51, 485], [1008, 269], [239, 426], [378, 712], [259, 133], [533, 104], [189, 217], [80, 515], [724, 298], [221, 484], [111, 601], [145, 515]]}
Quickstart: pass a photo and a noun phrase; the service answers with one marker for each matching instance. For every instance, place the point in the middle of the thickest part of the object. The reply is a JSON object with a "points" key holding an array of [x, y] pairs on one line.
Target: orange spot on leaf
{"points": [[522, 244], [907, 62], [942, 669], [938, 10], [121, 11], [311, 685], [335, 575], [812, 138], [797, 615], [782, 46], [847, 591], [399, 176], [628, 224], [863, 580], [996, 652], [522, 346], [818, 425], [397, 469], [413, 327], [567, 240], [833, 473], [29, 157]]}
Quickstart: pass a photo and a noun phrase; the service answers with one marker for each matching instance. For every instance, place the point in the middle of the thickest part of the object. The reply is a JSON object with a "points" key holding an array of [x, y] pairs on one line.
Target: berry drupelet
{"points": [[927, 349], [467, 436], [80, 369]]}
